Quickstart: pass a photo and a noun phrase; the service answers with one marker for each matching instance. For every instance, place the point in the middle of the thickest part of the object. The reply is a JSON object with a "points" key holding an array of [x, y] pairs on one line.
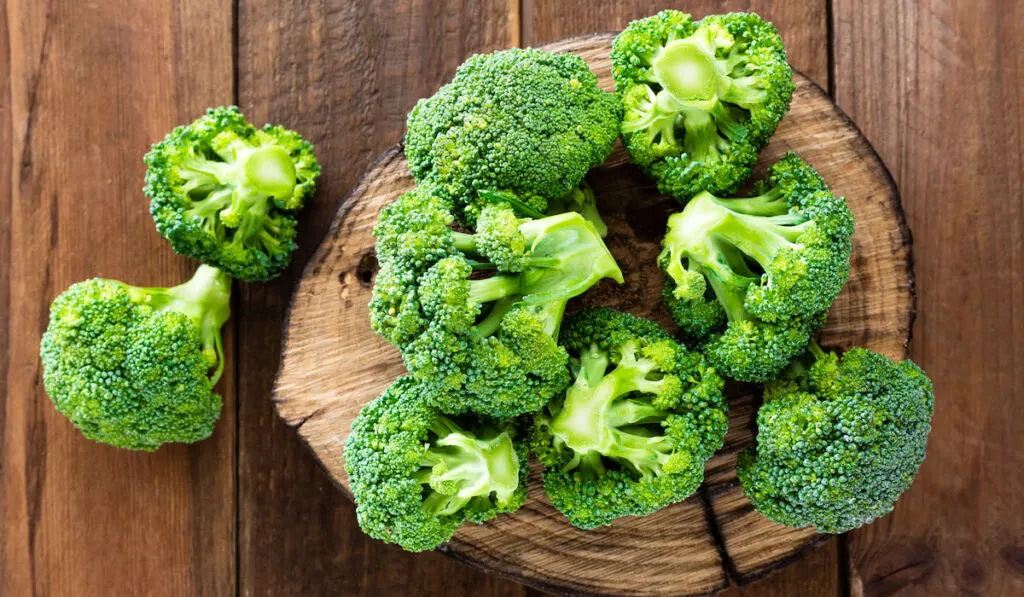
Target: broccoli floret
{"points": [[226, 193], [839, 440], [417, 474], [756, 276], [130, 366], [528, 122], [633, 432], [701, 98], [485, 344]]}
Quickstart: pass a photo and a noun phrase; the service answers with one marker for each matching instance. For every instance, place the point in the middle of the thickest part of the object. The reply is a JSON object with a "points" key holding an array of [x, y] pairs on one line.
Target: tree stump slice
{"points": [[332, 363]]}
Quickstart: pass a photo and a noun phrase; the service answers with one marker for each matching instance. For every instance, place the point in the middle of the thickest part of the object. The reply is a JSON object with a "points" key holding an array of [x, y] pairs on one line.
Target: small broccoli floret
{"points": [[528, 122], [485, 344], [417, 474], [701, 98], [130, 367], [756, 275], [226, 193], [838, 440], [633, 432]]}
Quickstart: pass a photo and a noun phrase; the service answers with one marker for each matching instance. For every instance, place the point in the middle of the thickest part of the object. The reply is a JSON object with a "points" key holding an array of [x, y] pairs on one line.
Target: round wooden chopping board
{"points": [[332, 362]]}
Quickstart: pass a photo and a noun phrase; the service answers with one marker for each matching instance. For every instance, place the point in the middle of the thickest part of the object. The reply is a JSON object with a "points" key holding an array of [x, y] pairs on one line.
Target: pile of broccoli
{"points": [[478, 266], [136, 367], [480, 261]]}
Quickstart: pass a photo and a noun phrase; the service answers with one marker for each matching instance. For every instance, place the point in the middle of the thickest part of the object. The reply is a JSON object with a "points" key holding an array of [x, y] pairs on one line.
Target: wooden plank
{"points": [[88, 87], [802, 23], [936, 86], [803, 26], [344, 74]]}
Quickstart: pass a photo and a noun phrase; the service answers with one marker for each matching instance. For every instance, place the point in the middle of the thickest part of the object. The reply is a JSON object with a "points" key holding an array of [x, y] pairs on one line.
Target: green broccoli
{"points": [[482, 343], [838, 441], [528, 122], [583, 201], [633, 432], [417, 474], [756, 276], [701, 98], [226, 193], [130, 366]]}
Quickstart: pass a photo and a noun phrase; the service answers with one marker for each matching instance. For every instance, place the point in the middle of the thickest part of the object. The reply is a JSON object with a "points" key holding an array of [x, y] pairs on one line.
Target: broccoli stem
{"points": [[459, 467], [489, 325], [588, 422], [488, 290], [464, 243], [205, 299]]}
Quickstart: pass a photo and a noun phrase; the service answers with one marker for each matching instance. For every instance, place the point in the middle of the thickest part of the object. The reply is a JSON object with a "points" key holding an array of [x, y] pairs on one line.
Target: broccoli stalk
{"points": [[205, 300], [130, 366], [460, 467], [632, 433], [755, 276]]}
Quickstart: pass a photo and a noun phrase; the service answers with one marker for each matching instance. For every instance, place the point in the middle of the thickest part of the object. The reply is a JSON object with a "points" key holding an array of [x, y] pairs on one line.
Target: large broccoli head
{"points": [[226, 193], [838, 441], [528, 122], [131, 366], [756, 276], [633, 432], [701, 98], [482, 342], [416, 474]]}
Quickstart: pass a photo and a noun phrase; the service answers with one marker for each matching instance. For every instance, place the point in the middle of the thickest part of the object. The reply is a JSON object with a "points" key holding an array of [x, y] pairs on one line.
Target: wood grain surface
{"points": [[86, 86], [333, 364]]}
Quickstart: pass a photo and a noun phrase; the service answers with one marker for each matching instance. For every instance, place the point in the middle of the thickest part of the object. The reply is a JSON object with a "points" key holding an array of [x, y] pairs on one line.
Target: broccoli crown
{"points": [[226, 193], [838, 440], [130, 366], [632, 434], [528, 122], [756, 275], [417, 474], [485, 344], [701, 98]]}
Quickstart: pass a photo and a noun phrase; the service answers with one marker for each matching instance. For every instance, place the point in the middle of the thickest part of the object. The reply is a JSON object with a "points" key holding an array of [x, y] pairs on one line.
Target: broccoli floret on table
{"points": [[417, 474], [523, 121], [226, 193], [131, 366], [755, 276], [632, 433], [839, 439], [701, 98], [476, 315]]}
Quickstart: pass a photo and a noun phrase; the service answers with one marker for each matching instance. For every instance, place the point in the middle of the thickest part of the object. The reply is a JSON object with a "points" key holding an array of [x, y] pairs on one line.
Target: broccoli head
{"points": [[756, 276], [528, 122], [701, 98], [476, 315], [632, 433], [226, 193], [839, 440], [130, 366], [417, 474]]}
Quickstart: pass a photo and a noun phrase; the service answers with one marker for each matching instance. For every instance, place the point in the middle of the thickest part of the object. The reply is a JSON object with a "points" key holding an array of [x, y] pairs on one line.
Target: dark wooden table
{"points": [[88, 85]]}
